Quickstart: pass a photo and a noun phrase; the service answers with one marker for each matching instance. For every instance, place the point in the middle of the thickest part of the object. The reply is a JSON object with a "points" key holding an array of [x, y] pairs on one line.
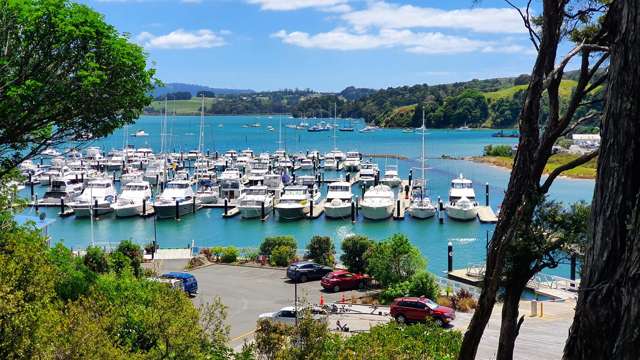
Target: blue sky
{"points": [[324, 44]]}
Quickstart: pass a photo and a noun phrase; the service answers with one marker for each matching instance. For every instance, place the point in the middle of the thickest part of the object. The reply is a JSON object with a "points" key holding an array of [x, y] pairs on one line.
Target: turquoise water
{"points": [[207, 227]]}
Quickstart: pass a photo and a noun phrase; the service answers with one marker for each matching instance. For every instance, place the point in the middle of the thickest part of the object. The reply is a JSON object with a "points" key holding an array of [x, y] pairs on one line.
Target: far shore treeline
{"points": [[491, 103]]}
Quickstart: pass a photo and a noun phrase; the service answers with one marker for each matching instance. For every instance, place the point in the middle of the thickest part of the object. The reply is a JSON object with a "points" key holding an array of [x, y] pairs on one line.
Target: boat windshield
{"points": [[177, 186], [135, 187], [456, 184], [99, 185], [339, 188]]}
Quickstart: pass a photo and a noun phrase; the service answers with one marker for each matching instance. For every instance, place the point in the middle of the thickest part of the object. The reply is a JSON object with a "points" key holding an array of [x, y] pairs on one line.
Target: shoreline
{"points": [[500, 163]]}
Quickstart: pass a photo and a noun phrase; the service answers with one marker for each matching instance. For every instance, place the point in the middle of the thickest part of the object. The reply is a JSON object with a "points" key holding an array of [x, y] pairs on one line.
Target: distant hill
{"points": [[193, 89], [352, 93]]}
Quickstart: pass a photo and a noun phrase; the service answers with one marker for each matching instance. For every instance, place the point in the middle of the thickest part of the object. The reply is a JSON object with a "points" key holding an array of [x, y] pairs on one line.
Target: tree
{"points": [[133, 252], [96, 260], [526, 189], [271, 242], [66, 74], [321, 250], [394, 260], [354, 250], [282, 255], [609, 297], [73, 279]]}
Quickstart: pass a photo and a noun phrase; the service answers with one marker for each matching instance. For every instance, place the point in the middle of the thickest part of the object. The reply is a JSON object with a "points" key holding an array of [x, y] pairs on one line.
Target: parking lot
{"points": [[249, 292]]}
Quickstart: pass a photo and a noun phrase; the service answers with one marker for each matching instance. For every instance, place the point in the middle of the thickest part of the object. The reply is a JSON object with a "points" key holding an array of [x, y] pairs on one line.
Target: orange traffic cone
{"points": [[321, 300], [342, 299]]}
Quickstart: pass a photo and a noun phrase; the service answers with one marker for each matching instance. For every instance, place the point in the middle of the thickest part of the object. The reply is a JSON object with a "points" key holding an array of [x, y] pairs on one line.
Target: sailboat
{"points": [[207, 191], [348, 128], [421, 206]]}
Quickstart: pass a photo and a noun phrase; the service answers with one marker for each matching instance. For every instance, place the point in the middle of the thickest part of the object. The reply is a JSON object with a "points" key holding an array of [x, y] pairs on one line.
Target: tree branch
{"points": [[568, 166], [581, 121], [526, 18]]}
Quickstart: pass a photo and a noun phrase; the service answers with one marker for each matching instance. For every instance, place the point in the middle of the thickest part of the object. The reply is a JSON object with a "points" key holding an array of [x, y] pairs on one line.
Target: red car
{"points": [[418, 309], [344, 280]]}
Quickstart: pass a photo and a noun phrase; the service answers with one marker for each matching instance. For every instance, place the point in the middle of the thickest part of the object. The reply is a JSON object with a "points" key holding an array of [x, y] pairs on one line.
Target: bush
{"points": [[420, 284], [354, 250], [249, 254], [282, 255], [466, 304], [133, 251], [96, 260], [272, 242], [151, 248], [498, 150], [229, 254], [394, 260], [207, 253], [216, 252], [321, 250]]}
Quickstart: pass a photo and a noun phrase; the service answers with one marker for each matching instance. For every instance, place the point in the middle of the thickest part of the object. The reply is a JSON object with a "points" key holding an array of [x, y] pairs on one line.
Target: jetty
{"points": [[402, 202], [315, 211], [486, 215]]}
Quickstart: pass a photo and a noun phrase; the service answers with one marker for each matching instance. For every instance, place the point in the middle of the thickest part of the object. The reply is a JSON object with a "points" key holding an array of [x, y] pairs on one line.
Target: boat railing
{"points": [[455, 286], [475, 270], [547, 281]]}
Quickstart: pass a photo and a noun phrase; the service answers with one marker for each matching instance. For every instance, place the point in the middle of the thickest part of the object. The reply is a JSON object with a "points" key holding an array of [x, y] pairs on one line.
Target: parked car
{"points": [[189, 282], [306, 270], [343, 280], [287, 315], [418, 309]]}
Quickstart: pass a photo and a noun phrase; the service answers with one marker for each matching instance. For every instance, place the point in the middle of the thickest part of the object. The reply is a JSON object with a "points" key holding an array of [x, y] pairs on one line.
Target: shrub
{"points": [[321, 250], [96, 260], [133, 251], [466, 304], [207, 253], [216, 252], [282, 255], [394, 260], [229, 254], [444, 301], [420, 284], [249, 254], [498, 150], [272, 242], [151, 248], [354, 250]]}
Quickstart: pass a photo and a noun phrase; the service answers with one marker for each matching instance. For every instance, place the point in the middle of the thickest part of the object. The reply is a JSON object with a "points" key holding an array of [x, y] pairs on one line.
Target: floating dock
{"points": [[231, 213], [318, 210], [486, 215]]}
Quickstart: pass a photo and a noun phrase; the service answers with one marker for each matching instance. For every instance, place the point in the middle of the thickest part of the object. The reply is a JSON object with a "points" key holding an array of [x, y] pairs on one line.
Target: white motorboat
{"points": [[330, 163], [306, 164], [368, 173], [131, 175], [294, 203], [462, 200], [378, 203], [231, 184], [254, 200], [96, 198], [391, 177], [177, 198], [421, 206], [207, 191], [339, 199], [274, 184], [134, 200], [140, 133], [352, 162], [155, 172], [115, 162], [65, 189]]}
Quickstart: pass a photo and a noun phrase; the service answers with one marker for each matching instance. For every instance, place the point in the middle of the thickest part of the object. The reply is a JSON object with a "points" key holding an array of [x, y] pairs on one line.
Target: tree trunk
{"points": [[607, 318], [509, 328], [522, 191]]}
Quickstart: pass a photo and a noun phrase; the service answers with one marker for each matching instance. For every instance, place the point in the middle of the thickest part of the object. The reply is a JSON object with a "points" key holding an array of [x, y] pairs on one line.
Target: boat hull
{"points": [[462, 214], [84, 210], [292, 212], [254, 212], [391, 183], [340, 211], [168, 211], [129, 210], [376, 212], [421, 212]]}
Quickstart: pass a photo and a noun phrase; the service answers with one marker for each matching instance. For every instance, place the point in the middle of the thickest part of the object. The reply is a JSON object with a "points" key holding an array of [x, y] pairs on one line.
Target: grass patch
{"points": [[566, 87], [182, 107], [585, 171]]}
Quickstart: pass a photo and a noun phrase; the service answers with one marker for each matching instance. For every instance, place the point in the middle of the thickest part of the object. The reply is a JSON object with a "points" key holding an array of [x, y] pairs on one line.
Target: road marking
{"points": [[242, 336]]}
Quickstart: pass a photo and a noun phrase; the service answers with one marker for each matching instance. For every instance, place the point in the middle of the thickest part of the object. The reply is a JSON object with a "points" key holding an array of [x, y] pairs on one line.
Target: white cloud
{"points": [[415, 42], [181, 39], [288, 5], [392, 16]]}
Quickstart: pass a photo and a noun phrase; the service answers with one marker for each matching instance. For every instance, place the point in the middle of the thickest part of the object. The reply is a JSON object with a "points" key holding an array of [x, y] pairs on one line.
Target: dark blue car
{"points": [[189, 282]]}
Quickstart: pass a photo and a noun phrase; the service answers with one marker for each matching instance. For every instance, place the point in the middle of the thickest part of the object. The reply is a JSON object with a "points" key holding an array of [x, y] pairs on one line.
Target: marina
{"points": [[292, 156]]}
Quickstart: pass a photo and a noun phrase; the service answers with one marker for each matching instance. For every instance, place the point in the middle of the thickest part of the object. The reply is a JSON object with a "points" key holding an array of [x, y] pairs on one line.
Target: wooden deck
{"points": [[231, 213], [486, 215]]}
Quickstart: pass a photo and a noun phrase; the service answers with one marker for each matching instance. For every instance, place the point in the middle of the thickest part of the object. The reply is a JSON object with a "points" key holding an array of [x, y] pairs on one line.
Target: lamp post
{"points": [[295, 294]]}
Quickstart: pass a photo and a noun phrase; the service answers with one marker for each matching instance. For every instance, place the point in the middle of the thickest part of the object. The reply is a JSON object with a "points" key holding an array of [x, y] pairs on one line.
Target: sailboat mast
{"points": [[201, 139], [335, 115], [163, 126], [423, 129]]}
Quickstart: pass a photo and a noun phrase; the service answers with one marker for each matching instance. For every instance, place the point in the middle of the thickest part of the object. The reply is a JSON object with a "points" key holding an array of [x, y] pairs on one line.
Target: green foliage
{"points": [[88, 79], [498, 150], [249, 254], [321, 250], [394, 260], [73, 278], [282, 255], [312, 340], [420, 284], [229, 254], [354, 250], [96, 260], [132, 251], [271, 242]]}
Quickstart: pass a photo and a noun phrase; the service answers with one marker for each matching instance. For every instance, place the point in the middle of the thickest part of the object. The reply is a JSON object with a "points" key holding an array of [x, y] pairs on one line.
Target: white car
{"points": [[287, 315]]}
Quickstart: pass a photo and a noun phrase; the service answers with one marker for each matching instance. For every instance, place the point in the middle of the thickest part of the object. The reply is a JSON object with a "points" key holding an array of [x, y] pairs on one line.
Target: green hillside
{"points": [[181, 107], [566, 86]]}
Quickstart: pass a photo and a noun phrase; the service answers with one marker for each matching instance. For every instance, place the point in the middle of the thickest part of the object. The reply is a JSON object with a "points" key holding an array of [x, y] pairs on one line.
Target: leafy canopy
{"points": [[66, 74], [394, 260]]}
